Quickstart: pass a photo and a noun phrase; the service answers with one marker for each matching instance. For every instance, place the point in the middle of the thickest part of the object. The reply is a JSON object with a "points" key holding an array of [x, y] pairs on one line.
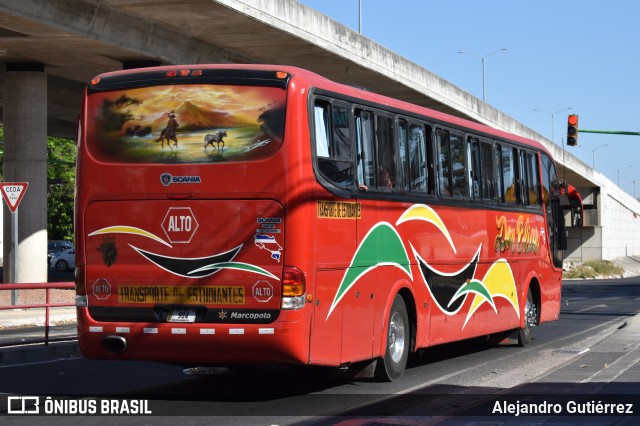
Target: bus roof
{"points": [[321, 82]]}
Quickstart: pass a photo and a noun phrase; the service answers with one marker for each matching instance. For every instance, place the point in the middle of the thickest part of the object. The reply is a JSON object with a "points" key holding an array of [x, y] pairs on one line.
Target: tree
{"points": [[60, 187], [61, 155]]}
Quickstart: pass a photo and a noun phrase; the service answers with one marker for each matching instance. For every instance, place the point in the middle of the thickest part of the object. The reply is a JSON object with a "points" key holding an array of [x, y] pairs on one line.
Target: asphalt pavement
{"points": [[612, 366]]}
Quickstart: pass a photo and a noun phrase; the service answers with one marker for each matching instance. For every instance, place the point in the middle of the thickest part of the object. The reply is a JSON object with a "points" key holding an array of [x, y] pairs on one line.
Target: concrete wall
{"points": [[584, 244], [610, 231], [620, 224]]}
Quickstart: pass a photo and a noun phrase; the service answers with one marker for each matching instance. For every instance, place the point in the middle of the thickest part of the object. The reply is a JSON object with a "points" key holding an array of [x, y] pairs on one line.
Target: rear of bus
{"points": [[181, 207]]}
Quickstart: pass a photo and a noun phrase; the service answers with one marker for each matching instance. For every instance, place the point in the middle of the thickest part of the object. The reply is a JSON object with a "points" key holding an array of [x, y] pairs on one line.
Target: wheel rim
{"points": [[62, 265], [531, 313], [396, 337]]}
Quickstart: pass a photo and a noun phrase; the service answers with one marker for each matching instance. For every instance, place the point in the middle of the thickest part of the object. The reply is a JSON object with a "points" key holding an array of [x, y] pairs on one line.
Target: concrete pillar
{"points": [[25, 160]]}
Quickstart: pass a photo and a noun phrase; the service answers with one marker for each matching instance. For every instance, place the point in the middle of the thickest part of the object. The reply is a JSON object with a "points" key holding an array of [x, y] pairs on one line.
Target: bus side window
{"points": [[459, 170], [386, 150], [403, 147], [475, 172], [321, 125], [365, 155], [524, 178], [498, 173], [534, 179], [553, 210], [341, 133], [444, 163], [418, 170], [333, 142], [509, 176], [488, 174]]}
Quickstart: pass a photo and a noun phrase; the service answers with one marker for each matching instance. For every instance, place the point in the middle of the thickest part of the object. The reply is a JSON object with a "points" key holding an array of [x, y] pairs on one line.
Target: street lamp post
{"points": [[622, 168], [553, 120], [483, 58], [593, 161]]}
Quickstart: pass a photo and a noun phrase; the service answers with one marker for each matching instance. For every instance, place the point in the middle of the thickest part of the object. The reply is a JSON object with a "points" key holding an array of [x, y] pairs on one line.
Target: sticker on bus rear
{"points": [[268, 243]]}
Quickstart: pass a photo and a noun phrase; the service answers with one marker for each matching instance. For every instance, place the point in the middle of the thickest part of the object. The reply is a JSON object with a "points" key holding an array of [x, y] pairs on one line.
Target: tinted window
{"points": [[488, 174], [365, 155], [460, 180], [333, 143], [386, 149], [509, 178], [418, 156], [533, 179], [498, 173], [524, 178], [444, 163], [475, 170]]}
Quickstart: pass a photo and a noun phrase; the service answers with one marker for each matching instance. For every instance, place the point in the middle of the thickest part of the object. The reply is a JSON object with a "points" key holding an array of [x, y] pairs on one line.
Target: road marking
{"points": [[590, 308]]}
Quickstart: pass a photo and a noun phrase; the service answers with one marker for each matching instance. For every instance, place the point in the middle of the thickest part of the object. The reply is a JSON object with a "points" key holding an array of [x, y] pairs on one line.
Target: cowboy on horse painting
{"points": [[169, 132]]}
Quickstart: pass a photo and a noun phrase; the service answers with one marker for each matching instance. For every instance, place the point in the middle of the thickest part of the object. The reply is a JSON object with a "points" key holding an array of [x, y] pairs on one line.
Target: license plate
{"points": [[182, 315]]}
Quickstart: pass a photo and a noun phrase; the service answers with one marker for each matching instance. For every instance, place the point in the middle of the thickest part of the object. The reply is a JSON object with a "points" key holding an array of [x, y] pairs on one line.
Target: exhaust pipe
{"points": [[115, 344]]}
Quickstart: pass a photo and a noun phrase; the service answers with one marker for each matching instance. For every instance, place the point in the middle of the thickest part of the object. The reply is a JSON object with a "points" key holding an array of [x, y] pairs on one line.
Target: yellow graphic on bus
{"points": [[498, 282], [124, 229], [521, 238]]}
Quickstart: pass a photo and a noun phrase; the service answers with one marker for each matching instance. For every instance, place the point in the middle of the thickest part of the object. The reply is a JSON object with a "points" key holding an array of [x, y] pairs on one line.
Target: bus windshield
{"points": [[185, 123]]}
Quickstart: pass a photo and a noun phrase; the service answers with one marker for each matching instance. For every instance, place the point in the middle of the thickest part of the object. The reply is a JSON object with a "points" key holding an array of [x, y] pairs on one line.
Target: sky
{"points": [[578, 54]]}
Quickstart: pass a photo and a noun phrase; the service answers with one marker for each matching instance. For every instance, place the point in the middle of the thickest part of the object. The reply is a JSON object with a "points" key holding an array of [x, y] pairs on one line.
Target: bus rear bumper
{"points": [[283, 341]]}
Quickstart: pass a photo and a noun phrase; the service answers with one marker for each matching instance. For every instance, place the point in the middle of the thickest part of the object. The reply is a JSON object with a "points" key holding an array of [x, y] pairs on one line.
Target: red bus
{"points": [[247, 214]]}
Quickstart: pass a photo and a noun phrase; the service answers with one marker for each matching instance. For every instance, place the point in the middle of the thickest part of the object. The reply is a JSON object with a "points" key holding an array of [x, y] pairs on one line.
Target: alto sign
{"points": [[262, 291], [180, 224]]}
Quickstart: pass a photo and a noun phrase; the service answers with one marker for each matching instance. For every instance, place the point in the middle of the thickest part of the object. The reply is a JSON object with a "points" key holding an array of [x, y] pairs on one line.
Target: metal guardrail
{"points": [[47, 305]]}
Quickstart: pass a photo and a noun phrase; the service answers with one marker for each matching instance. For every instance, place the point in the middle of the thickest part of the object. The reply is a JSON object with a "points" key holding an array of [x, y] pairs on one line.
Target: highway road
{"points": [[565, 357]]}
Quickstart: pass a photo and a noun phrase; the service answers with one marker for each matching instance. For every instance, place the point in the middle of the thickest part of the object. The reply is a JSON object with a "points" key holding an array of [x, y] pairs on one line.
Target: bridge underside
{"points": [[76, 40]]}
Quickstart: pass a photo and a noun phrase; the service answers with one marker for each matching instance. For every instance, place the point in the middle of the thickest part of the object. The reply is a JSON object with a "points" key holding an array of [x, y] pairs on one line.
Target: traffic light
{"points": [[572, 130]]}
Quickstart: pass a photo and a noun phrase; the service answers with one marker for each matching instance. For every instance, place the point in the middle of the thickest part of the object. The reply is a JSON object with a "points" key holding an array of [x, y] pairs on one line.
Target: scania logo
{"points": [[167, 179]]}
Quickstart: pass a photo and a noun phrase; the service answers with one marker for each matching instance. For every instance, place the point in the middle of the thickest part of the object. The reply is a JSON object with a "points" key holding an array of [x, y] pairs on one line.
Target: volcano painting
{"points": [[196, 118]]}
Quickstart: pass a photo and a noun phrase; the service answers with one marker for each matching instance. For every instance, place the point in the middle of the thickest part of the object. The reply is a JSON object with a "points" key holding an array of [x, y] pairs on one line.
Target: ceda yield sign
{"points": [[12, 192]]}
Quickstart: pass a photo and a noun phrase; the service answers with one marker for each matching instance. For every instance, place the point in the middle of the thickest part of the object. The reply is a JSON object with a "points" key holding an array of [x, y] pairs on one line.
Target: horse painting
{"points": [[216, 138]]}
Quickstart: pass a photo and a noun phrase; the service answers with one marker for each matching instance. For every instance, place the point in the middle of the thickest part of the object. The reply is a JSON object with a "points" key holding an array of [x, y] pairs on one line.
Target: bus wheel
{"points": [[392, 366], [530, 321]]}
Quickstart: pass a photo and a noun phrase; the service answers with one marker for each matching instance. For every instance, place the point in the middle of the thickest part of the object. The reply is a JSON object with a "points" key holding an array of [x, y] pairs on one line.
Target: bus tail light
{"points": [[81, 291], [184, 73], [293, 288]]}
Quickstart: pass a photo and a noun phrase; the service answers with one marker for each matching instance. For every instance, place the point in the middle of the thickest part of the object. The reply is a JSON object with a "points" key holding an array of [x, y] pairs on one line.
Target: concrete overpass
{"points": [[50, 49]]}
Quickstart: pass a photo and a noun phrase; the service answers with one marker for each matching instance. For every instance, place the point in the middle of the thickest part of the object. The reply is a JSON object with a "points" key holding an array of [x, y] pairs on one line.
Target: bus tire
{"points": [[530, 319], [392, 365]]}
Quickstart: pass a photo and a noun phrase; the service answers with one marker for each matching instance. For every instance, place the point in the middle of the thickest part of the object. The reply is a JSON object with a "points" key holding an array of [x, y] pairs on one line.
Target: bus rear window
{"points": [[194, 123]]}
